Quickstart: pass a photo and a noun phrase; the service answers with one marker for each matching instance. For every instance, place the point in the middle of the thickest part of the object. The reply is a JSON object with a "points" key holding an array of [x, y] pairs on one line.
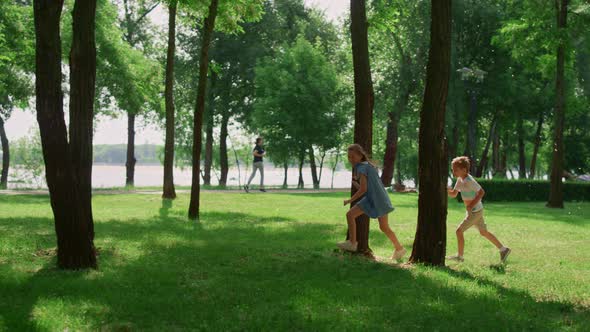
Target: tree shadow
{"points": [[238, 271]]}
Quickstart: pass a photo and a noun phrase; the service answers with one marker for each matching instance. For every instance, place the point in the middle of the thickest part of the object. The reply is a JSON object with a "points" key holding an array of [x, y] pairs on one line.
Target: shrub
{"points": [[530, 190]]}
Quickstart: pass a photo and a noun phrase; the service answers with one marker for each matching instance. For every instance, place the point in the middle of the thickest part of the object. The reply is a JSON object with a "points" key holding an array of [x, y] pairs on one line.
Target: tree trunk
{"points": [[472, 132], [557, 169], [454, 146], [521, 150], [223, 159], [390, 149], [538, 133], [130, 164], [208, 151], [394, 118], [497, 170], [322, 158], [431, 233], [286, 169], [300, 184], [209, 123], [169, 191], [363, 102], [193, 211], [314, 170], [334, 170], [68, 166], [5, 156], [556, 193], [483, 163]]}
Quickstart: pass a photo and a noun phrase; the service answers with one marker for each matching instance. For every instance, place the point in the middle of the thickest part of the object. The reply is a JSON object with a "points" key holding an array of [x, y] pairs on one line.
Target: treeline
{"points": [[148, 154]]}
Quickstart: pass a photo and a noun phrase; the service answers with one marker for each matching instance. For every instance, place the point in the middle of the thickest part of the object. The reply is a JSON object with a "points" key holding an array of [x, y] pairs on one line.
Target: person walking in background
{"points": [[258, 164]]}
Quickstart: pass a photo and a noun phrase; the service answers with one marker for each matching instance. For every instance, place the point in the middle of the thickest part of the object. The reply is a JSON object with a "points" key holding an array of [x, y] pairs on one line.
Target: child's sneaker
{"points": [[504, 254], [455, 258], [347, 245], [398, 254]]}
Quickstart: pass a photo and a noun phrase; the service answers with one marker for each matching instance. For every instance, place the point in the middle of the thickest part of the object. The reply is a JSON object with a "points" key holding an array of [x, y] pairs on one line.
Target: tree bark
{"points": [[223, 159], [556, 192], [68, 165], [314, 170], [131, 161], [169, 191], [431, 233], [193, 211], [521, 149], [533, 169], [5, 156], [483, 163], [363, 102]]}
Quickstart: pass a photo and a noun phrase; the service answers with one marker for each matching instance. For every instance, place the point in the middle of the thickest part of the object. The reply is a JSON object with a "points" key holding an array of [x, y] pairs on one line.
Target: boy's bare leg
{"points": [[384, 226], [460, 242], [351, 216], [492, 238]]}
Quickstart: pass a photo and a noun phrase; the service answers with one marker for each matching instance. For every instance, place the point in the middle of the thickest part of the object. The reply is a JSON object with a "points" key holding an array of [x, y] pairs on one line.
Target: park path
{"points": [[181, 191]]}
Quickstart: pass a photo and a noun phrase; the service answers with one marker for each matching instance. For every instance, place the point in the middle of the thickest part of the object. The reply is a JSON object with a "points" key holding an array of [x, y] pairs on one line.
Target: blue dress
{"points": [[375, 203]]}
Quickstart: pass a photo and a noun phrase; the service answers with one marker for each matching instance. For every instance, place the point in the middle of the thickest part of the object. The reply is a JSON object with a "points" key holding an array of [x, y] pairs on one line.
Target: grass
{"points": [[266, 262]]}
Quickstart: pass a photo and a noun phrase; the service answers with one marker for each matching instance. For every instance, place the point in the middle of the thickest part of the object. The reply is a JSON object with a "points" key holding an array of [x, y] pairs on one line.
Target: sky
{"points": [[114, 131]]}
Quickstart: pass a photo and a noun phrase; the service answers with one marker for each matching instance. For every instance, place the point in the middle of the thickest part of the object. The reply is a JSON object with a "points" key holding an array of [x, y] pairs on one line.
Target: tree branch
{"points": [[147, 12]]}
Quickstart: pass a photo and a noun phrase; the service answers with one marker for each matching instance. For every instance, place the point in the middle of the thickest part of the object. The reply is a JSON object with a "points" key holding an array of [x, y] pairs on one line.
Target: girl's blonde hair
{"points": [[357, 148]]}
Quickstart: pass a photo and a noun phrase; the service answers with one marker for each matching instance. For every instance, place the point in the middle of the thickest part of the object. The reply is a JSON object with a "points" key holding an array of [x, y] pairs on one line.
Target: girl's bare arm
{"points": [[360, 192]]}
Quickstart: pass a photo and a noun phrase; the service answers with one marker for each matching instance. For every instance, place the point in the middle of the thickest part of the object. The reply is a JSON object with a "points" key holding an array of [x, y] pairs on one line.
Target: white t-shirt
{"points": [[469, 188]]}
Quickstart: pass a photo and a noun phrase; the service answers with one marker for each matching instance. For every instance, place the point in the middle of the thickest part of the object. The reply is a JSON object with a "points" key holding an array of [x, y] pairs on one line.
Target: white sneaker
{"points": [[347, 245], [398, 254], [455, 258]]}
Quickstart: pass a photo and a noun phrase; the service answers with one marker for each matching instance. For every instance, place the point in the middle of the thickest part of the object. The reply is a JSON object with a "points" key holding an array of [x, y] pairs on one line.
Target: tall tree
{"points": [[364, 102], [169, 191], [209, 25], [400, 42], [556, 193], [68, 164], [430, 241], [135, 33]]}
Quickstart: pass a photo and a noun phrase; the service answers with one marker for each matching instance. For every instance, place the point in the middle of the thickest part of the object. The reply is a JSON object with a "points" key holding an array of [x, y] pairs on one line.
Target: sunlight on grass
{"points": [[266, 262]]}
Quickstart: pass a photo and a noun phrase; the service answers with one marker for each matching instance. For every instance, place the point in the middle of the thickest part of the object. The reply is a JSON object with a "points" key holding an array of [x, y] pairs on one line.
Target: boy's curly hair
{"points": [[462, 162]]}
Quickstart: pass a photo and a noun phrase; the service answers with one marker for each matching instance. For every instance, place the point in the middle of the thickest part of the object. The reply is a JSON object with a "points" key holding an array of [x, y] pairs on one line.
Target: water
{"points": [[105, 176]]}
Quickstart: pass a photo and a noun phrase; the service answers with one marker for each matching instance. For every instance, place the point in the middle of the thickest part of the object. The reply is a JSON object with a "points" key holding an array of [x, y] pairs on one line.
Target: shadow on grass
{"points": [[237, 271]]}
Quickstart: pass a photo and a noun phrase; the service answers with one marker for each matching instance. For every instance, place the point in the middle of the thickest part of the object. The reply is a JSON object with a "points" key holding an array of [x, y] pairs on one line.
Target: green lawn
{"points": [[266, 262]]}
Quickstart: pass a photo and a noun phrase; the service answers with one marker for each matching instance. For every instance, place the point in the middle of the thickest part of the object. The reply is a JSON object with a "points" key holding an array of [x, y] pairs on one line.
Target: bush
{"points": [[531, 190]]}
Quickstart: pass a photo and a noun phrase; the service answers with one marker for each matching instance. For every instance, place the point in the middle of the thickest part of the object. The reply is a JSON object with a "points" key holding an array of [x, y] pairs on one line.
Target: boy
{"points": [[472, 193]]}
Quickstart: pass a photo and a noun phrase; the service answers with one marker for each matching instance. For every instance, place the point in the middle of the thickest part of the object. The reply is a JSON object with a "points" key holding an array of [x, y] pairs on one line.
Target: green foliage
{"points": [[294, 107], [128, 78], [16, 56]]}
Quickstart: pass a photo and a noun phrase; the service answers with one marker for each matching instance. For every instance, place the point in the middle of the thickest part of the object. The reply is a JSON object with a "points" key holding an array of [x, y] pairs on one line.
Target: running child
{"points": [[471, 193], [374, 201]]}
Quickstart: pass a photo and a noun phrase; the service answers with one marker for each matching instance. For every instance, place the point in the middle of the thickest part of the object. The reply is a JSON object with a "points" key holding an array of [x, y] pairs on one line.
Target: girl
{"points": [[375, 201]]}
